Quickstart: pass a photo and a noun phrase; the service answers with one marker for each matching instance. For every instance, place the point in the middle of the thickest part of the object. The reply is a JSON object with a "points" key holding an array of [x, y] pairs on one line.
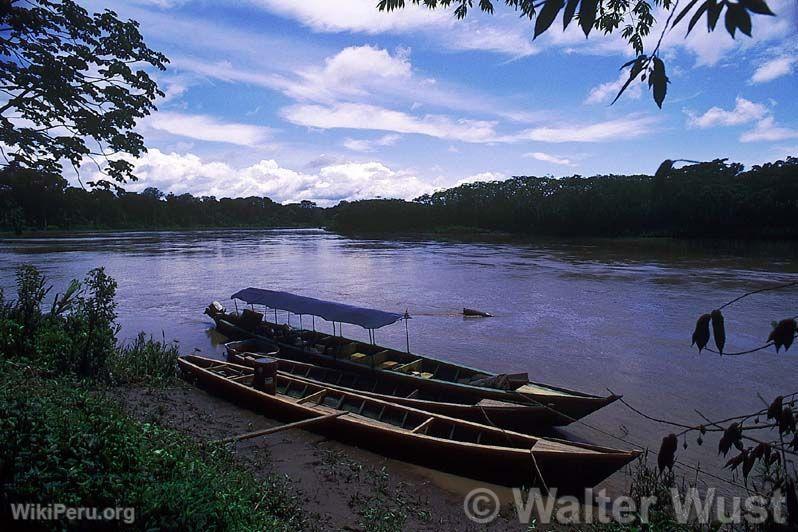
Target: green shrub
{"points": [[145, 361], [62, 443]]}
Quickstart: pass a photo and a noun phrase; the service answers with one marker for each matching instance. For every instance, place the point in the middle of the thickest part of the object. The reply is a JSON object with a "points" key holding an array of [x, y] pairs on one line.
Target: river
{"points": [[585, 314]]}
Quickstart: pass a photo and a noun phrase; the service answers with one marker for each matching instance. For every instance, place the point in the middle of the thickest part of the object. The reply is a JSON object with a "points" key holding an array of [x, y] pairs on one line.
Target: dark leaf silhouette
{"points": [[731, 436], [783, 334], [713, 14], [735, 461], [787, 421], [757, 6], [658, 81], [684, 12], [748, 463], [774, 410], [701, 332], [568, 14], [667, 452], [697, 16], [547, 15], [792, 502], [718, 330], [737, 18], [587, 15]]}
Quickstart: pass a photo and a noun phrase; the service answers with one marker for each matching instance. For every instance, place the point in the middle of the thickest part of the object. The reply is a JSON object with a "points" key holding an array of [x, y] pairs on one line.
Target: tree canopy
{"points": [[72, 87], [634, 19]]}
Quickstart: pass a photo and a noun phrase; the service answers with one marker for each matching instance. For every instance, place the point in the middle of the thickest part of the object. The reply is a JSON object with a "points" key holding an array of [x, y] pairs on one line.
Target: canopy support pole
{"points": [[407, 332], [275, 315], [236, 304], [301, 340]]}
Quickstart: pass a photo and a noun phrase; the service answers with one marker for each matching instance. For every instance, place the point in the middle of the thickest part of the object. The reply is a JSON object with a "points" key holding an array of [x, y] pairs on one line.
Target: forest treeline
{"points": [[712, 199]]}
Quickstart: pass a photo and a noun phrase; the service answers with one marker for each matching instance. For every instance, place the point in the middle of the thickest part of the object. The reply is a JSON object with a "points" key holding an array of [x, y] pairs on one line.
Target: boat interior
{"points": [[366, 382], [377, 411], [370, 355]]}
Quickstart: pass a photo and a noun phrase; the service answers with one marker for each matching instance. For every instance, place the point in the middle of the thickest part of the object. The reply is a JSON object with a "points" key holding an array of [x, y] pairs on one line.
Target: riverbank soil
{"points": [[343, 487]]}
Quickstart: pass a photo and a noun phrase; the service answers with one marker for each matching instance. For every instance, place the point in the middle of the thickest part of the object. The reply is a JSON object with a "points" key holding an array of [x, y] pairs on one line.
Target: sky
{"points": [[329, 100]]}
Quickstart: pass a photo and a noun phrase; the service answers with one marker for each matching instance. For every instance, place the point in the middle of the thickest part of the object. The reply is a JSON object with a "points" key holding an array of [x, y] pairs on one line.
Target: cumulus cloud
{"points": [[207, 128], [744, 112], [548, 158], [773, 69], [326, 185], [767, 130]]}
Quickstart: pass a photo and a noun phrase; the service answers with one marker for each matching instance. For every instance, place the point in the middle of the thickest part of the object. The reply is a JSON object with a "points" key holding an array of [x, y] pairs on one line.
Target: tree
{"points": [[633, 18], [74, 85]]}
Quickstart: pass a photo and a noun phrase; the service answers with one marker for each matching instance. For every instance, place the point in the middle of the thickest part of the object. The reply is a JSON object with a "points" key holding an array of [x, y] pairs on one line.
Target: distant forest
{"points": [[713, 199]]}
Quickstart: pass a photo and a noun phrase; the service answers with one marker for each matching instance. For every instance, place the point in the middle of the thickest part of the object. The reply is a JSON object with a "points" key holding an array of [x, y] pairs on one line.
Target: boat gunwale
{"points": [[574, 393], [512, 407], [592, 450]]}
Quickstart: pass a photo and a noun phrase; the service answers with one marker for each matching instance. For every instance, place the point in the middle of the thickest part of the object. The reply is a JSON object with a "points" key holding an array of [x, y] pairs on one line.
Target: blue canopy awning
{"points": [[365, 317]]}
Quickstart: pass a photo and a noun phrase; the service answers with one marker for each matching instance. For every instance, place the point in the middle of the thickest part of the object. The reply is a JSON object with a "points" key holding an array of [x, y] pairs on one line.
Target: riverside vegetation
{"points": [[64, 439], [715, 199]]}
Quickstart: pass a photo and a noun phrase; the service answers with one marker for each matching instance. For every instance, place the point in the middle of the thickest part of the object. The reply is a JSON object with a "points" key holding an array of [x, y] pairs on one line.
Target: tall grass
{"points": [[145, 361]]}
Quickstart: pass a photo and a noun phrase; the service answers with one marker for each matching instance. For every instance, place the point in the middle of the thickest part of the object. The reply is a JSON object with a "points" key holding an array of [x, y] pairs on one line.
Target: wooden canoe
{"points": [[523, 418], [436, 380], [456, 446]]}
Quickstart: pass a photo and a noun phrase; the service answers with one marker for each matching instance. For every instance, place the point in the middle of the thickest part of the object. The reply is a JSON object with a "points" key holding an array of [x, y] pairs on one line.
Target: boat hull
{"points": [[554, 410], [570, 472]]}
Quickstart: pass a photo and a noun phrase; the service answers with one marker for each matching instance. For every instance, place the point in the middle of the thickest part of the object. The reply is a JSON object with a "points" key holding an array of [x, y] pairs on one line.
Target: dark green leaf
{"points": [[718, 330], [587, 15], [757, 6], [635, 71], [659, 81], [684, 12], [697, 16], [570, 9], [547, 15], [713, 14]]}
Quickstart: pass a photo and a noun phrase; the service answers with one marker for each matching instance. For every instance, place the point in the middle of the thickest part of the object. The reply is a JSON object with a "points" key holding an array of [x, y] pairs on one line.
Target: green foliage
{"points": [[62, 68], [145, 361], [62, 443], [713, 199], [78, 336], [42, 204], [635, 17], [648, 482]]}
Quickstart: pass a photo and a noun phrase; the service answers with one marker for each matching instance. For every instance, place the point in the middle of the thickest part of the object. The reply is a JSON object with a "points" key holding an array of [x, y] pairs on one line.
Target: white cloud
{"points": [[207, 128], [485, 177], [606, 91], [608, 131], [546, 157], [502, 34], [328, 184], [363, 116], [744, 112], [767, 130], [773, 69], [354, 72], [371, 145]]}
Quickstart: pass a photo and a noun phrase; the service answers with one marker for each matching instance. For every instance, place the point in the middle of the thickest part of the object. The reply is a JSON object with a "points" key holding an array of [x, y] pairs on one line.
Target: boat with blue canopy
{"points": [[392, 372]]}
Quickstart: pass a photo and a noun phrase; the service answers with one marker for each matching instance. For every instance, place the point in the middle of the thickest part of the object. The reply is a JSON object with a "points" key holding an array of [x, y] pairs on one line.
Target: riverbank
{"points": [[339, 487]]}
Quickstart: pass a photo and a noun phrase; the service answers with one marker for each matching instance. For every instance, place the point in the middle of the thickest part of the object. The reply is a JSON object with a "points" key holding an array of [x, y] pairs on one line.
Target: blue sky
{"points": [[330, 99]]}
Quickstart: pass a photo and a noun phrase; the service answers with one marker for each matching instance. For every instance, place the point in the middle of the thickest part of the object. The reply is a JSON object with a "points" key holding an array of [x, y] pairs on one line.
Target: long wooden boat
{"points": [[427, 377], [524, 418], [456, 446]]}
